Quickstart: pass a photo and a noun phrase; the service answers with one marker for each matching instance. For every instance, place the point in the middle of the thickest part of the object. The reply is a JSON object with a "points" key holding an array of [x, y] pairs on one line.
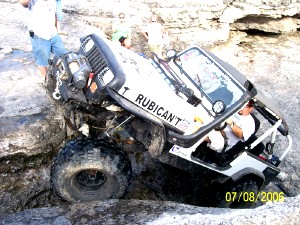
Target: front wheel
{"points": [[89, 170]]}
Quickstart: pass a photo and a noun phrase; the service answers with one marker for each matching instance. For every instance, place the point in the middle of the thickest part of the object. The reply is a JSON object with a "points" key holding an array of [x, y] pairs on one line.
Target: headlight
{"points": [[218, 107]]}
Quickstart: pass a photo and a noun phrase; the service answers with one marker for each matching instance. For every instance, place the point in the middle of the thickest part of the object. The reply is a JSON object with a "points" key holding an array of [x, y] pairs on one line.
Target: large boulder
{"points": [[206, 23], [32, 128], [157, 213], [31, 131]]}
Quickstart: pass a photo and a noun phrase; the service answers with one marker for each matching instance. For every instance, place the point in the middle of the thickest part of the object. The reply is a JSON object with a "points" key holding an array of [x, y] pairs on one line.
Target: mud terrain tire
{"points": [[89, 170], [240, 195]]}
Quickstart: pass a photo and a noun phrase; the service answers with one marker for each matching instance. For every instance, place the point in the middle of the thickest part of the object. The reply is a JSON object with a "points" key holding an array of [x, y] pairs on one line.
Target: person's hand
{"points": [[229, 121], [25, 3]]}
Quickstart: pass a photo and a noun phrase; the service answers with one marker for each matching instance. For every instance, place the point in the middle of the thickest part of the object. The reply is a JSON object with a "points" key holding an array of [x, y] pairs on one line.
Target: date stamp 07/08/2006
{"points": [[254, 197]]}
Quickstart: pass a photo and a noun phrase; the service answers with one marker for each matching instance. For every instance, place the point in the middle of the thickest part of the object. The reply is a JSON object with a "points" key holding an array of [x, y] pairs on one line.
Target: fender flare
{"points": [[249, 172]]}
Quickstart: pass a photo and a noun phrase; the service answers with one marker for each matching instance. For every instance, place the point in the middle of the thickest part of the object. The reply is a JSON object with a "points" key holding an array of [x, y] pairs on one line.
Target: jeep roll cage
{"points": [[266, 108]]}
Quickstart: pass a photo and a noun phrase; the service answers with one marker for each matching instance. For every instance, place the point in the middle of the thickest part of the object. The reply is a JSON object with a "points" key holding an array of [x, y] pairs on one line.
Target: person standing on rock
{"points": [[154, 32], [122, 32], [43, 33]]}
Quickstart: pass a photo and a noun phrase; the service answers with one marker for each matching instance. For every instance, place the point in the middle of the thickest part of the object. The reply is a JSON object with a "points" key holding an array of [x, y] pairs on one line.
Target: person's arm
{"points": [[25, 3], [235, 129], [144, 32], [56, 21], [145, 35]]}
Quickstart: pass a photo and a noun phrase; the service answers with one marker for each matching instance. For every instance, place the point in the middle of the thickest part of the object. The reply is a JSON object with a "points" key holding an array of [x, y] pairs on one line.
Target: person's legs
{"points": [[41, 49], [127, 43], [216, 141], [153, 48], [159, 49], [43, 70], [57, 46]]}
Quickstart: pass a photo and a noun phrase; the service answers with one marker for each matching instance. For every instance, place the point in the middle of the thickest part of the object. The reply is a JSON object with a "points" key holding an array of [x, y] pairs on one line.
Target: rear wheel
{"points": [[239, 195], [89, 169]]}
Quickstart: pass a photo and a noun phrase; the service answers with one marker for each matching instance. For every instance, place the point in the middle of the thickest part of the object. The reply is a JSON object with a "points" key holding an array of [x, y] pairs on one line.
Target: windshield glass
{"points": [[209, 77]]}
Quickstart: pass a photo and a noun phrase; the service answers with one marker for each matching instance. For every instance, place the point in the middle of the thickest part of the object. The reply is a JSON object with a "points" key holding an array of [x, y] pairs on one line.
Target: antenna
{"points": [[291, 101]]}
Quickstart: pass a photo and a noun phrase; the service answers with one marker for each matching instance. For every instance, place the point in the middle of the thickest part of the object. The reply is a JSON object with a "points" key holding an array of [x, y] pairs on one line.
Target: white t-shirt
{"points": [[154, 31], [246, 123], [42, 18]]}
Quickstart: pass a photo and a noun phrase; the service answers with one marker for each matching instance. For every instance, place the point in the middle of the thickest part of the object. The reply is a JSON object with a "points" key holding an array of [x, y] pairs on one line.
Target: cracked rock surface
{"points": [[31, 128]]}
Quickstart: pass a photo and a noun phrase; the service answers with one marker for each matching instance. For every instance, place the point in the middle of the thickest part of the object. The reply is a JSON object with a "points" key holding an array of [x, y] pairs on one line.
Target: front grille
{"points": [[96, 60], [103, 62]]}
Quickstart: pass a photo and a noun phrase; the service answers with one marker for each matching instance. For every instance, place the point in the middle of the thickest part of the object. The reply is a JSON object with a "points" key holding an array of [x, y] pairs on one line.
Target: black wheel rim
{"points": [[90, 179]]}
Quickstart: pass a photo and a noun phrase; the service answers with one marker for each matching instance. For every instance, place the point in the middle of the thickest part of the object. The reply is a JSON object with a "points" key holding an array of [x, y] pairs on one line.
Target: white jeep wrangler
{"points": [[116, 101]]}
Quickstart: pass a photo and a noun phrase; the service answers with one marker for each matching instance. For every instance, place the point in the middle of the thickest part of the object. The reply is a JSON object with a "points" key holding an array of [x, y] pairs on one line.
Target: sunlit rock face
{"points": [[156, 212], [260, 39], [207, 23]]}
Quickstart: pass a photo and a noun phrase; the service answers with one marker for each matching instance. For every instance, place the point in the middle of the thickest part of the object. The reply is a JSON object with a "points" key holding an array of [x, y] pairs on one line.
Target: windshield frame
{"points": [[223, 74]]}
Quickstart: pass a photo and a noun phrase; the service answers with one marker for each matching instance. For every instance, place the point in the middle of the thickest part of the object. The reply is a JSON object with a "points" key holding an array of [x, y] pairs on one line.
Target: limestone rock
{"points": [[31, 129], [155, 212]]}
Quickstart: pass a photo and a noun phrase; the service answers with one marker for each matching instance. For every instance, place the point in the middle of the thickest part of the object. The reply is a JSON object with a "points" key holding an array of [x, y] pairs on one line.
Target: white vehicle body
{"points": [[171, 106]]}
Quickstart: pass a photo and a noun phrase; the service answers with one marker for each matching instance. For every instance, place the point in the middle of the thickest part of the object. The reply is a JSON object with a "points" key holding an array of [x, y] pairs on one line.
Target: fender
{"points": [[157, 146], [249, 172]]}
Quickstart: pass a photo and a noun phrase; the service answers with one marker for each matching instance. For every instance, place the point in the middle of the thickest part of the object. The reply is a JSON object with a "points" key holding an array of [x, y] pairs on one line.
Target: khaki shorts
{"points": [[157, 49]]}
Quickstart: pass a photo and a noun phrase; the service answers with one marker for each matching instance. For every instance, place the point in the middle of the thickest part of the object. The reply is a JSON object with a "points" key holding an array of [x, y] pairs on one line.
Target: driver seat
{"points": [[225, 157], [240, 146]]}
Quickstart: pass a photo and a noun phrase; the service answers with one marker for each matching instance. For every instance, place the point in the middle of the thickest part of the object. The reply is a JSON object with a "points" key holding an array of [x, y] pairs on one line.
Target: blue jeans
{"points": [[42, 48]]}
